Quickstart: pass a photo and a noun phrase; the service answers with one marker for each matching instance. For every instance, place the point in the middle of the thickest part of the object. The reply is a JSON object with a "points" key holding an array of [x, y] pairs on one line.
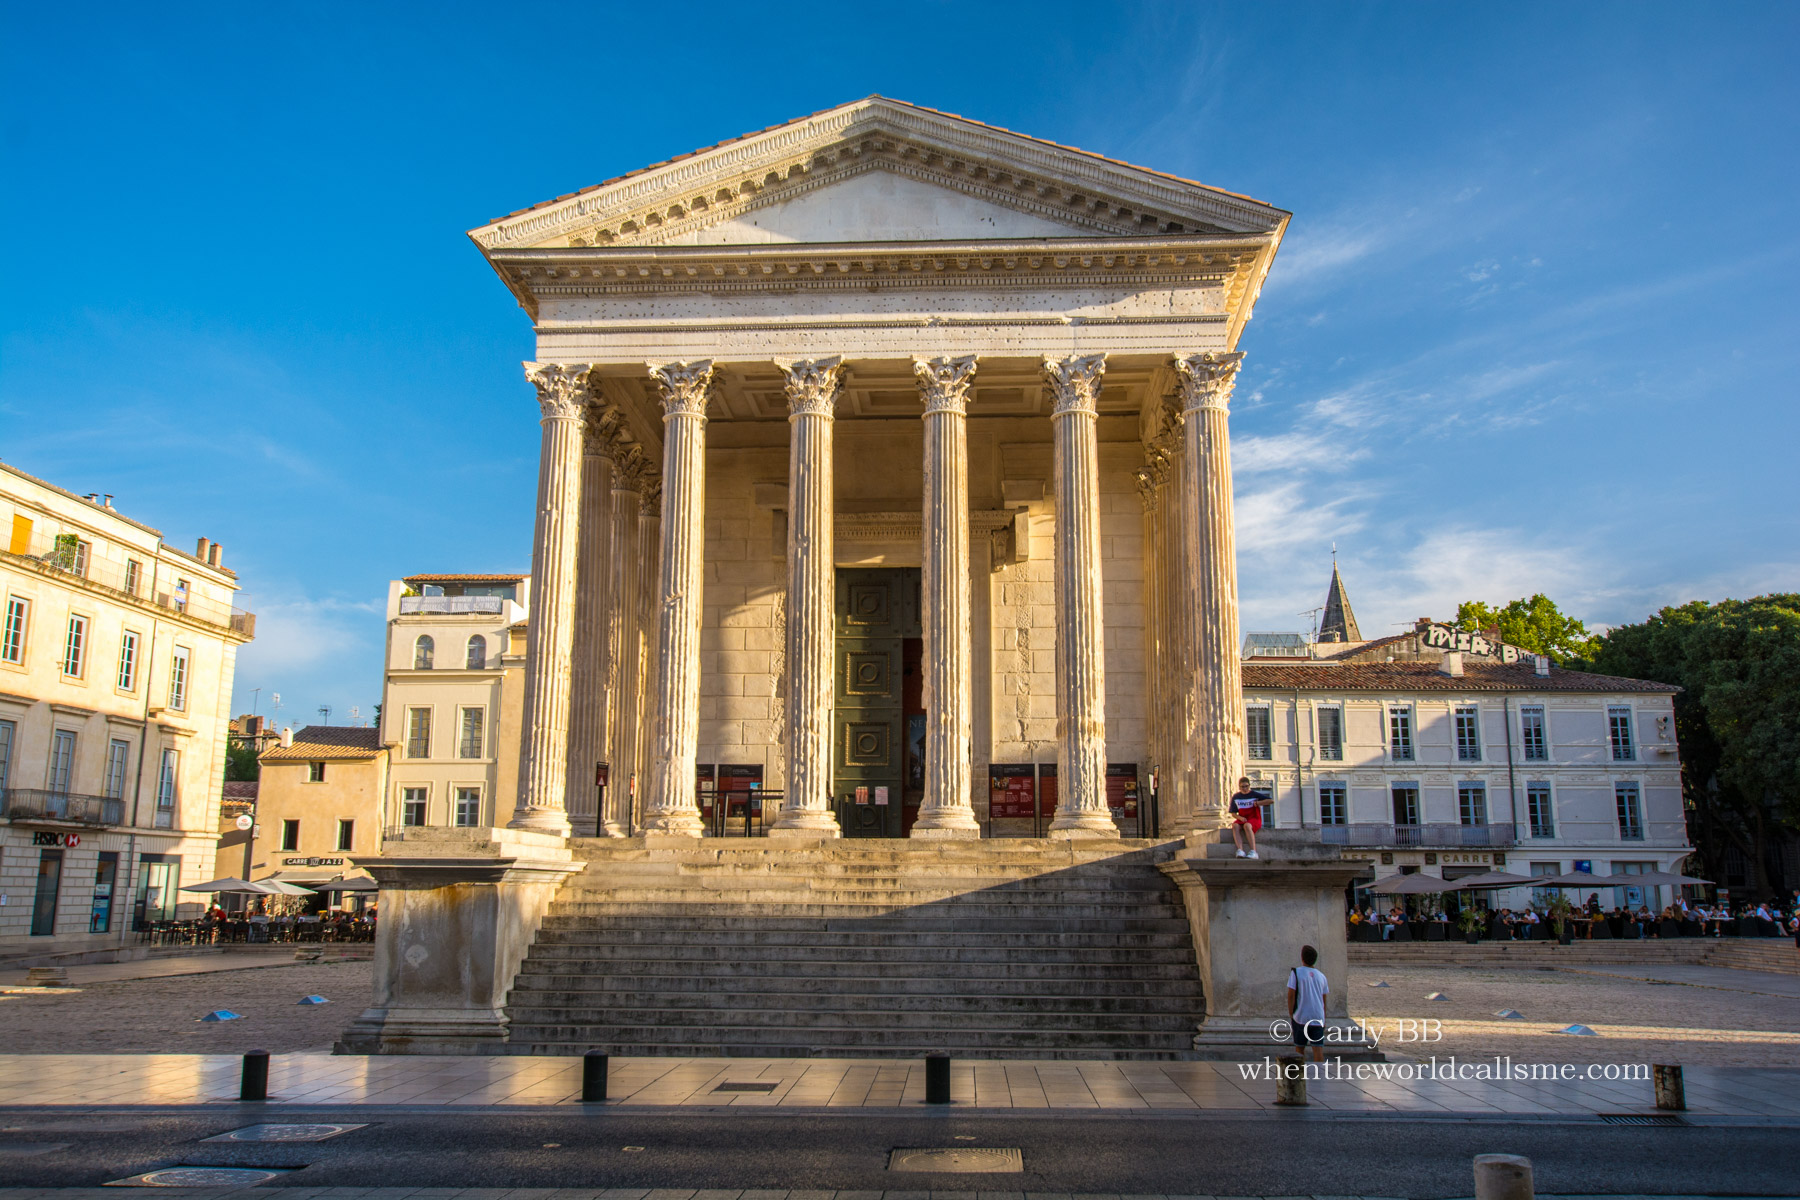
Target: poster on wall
{"points": [[862, 795], [881, 795], [742, 783], [1122, 789], [1046, 790], [1012, 789]]}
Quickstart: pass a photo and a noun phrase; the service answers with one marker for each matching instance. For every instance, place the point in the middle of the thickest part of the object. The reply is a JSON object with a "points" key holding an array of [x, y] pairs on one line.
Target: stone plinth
{"points": [[459, 910], [1249, 918]]}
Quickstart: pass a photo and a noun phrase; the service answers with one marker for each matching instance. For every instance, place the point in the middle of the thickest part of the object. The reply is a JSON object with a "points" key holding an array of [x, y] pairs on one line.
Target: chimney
{"points": [[1421, 624], [1543, 665], [107, 500], [287, 735], [93, 497], [215, 555], [1452, 664], [201, 548]]}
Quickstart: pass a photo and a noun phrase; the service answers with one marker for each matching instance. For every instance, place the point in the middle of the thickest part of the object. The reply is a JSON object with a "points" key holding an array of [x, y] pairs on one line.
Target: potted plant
{"points": [[1561, 914], [1471, 921]]}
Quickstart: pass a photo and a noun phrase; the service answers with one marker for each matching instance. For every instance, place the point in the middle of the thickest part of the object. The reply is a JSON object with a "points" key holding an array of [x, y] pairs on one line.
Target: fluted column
{"points": [[1218, 734], [646, 632], [673, 704], [549, 640], [947, 810], [812, 388], [1080, 644], [1151, 483], [1185, 709], [622, 645], [590, 648]]}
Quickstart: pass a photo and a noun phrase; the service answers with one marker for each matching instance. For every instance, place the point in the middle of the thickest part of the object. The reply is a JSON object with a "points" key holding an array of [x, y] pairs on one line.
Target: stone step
{"points": [[532, 1006], [725, 932], [995, 980], [853, 1041], [577, 939], [844, 919], [782, 889], [1094, 969]]}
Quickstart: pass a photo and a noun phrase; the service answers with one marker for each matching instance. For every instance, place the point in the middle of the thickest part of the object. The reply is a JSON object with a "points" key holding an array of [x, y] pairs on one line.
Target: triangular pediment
{"points": [[879, 170]]}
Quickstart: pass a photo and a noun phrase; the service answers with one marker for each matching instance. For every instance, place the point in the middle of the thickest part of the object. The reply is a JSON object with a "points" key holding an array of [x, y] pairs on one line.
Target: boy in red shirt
{"points": [[1246, 818]]}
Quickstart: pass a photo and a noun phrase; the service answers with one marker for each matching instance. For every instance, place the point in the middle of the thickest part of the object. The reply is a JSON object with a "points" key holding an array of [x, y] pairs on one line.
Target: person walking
{"points": [[1246, 817], [1306, 991]]}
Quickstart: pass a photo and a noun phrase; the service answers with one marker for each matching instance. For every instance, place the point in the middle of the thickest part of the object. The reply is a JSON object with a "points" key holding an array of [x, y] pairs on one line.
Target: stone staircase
{"points": [[990, 949]]}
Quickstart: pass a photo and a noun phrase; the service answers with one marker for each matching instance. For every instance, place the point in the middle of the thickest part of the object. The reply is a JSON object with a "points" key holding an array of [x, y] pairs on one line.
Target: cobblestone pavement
{"points": [[1635, 1020], [162, 1015]]}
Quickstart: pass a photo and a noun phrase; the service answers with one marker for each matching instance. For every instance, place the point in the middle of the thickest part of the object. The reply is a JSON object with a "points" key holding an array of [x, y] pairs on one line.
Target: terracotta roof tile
{"points": [[327, 741], [1425, 677], [508, 578], [240, 789]]}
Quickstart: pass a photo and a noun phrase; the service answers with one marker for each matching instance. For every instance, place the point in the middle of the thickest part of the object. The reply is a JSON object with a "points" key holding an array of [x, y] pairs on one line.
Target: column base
{"points": [[612, 829], [809, 823], [945, 833], [950, 823], [553, 821], [679, 823], [1082, 827]]}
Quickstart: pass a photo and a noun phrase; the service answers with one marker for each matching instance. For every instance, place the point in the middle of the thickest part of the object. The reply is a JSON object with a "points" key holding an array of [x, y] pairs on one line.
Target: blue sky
{"points": [[1533, 329]]}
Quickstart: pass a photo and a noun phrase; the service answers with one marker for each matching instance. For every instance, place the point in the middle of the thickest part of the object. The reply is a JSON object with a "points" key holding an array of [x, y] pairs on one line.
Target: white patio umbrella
{"points": [[1499, 879], [230, 883], [278, 887], [1413, 885], [1656, 879], [1581, 879], [348, 883]]}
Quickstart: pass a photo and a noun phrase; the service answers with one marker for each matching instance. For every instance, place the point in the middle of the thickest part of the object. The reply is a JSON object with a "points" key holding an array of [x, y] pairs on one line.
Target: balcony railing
{"points": [[34, 804], [1447, 836], [47, 556], [451, 604]]}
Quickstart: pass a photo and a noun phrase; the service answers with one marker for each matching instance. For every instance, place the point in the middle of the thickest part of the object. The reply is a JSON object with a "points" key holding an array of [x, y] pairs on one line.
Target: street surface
{"points": [[1278, 1154]]}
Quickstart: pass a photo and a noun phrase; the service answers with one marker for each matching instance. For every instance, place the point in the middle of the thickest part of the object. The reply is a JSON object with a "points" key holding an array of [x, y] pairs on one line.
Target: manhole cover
{"points": [[746, 1087], [966, 1160], [1642, 1119], [282, 1133], [208, 1177]]}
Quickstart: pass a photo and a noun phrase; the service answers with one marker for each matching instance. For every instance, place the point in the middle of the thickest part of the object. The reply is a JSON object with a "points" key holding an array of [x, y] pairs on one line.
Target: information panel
{"points": [[1122, 789], [1012, 789]]}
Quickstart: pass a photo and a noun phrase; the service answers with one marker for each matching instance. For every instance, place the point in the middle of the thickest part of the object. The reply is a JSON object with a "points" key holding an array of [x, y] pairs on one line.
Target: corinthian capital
{"points": [[561, 388], [812, 385], [684, 386], [601, 429], [944, 382], [1207, 379], [1075, 382]]}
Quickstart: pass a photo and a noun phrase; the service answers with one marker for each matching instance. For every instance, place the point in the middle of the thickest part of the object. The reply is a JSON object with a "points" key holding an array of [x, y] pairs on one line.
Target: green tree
{"points": [[1535, 624], [241, 765], [1738, 715]]}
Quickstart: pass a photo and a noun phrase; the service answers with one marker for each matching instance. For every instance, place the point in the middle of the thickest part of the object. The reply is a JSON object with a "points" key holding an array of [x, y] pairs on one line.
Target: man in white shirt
{"points": [[1306, 991]]}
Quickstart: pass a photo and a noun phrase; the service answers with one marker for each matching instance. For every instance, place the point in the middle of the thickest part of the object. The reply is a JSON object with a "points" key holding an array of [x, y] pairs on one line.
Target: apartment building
{"points": [[117, 655]]}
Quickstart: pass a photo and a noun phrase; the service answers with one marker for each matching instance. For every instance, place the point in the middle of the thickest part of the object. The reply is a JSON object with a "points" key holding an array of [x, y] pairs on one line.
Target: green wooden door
{"points": [[877, 609]]}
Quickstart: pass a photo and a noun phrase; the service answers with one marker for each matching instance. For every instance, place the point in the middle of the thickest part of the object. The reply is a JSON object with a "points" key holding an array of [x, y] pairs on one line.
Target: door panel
{"points": [[876, 609]]}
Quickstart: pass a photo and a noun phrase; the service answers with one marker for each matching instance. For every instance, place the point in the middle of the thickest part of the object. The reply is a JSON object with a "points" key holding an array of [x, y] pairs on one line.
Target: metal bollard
{"points": [[1670, 1093], [253, 1084], [1502, 1177], [937, 1079], [593, 1077], [1290, 1082]]}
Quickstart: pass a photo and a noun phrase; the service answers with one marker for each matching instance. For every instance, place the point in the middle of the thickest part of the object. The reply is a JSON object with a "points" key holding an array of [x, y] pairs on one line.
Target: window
{"points": [[178, 679], [118, 760], [106, 871], [132, 571], [1471, 803], [290, 835], [1542, 897], [128, 644], [75, 647], [315, 772], [165, 789], [1531, 734], [468, 806], [477, 658], [181, 595], [412, 806], [473, 720], [1406, 803], [418, 733], [422, 651], [62, 760], [346, 834], [7, 730], [1331, 734], [1400, 734], [1334, 807], [1539, 811], [12, 643], [1257, 732], [1618, 723], [1468, 733], [80, 564], [1631, 813]]}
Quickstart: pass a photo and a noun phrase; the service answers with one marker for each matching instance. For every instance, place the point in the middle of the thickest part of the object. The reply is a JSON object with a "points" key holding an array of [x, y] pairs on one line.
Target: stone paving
{"points": [[403, 1193], [512, 1084]]}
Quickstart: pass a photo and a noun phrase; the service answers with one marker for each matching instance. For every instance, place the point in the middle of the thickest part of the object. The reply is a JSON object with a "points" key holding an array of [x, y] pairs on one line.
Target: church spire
{"points": [[1338, 623]]}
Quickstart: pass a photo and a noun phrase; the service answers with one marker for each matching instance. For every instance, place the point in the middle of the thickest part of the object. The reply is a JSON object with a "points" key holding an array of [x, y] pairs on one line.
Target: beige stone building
{"points": [[450, 709], [319, 803], [116, 665], [877, 452]]}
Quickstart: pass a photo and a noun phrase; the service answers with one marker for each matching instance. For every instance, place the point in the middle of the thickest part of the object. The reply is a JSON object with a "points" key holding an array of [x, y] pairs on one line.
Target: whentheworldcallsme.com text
{"points": [[1434, 1069]]}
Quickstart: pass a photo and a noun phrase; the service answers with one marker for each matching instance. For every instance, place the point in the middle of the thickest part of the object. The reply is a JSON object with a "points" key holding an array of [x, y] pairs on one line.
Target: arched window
{"points": [[422, 652], [477, 652]]}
